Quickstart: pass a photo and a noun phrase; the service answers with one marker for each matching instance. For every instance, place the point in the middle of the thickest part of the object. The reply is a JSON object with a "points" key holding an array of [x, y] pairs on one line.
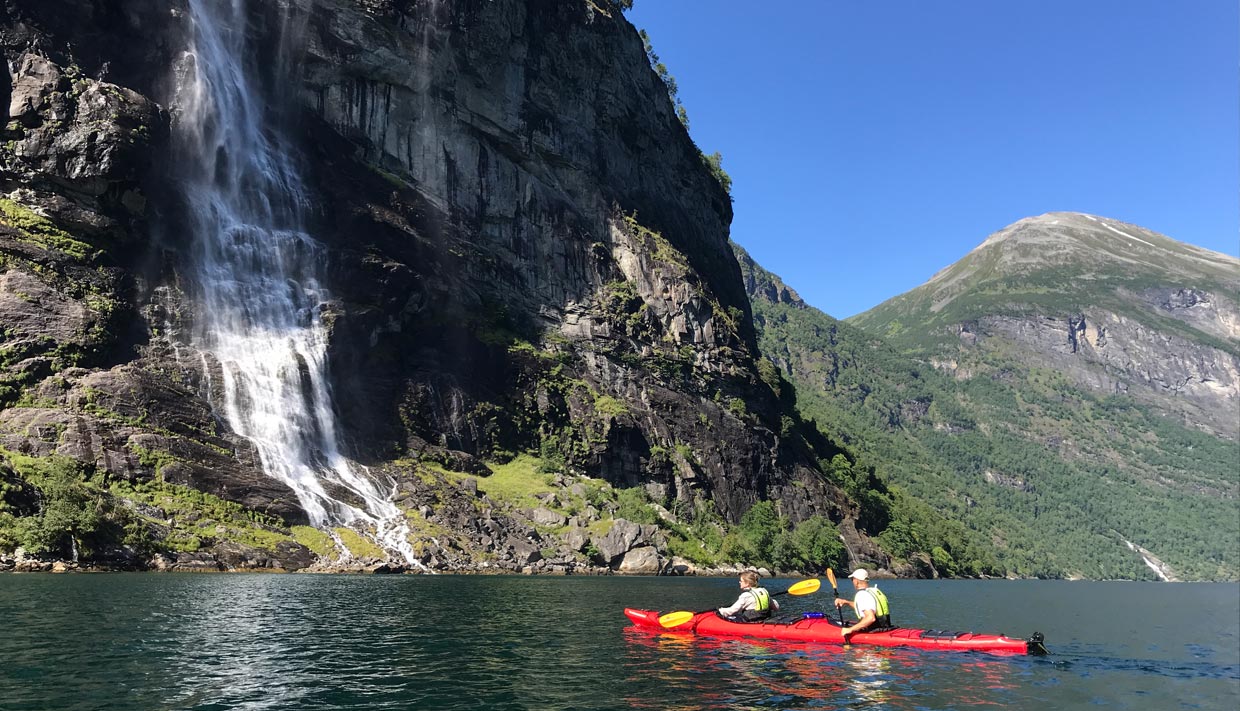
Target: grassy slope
{"points": [[1052, 479]]}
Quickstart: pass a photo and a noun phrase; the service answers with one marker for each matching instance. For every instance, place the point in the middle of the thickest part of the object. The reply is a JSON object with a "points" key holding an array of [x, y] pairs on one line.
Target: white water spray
{"points": [[259, 297]]}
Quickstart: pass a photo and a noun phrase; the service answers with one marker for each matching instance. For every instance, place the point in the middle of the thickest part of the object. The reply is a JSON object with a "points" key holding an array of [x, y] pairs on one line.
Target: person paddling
{"points": [[754, 602], [869, 604]]}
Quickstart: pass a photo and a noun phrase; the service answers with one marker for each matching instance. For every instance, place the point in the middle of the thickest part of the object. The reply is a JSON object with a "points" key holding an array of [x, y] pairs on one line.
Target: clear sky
{"points": [[872, 143]]}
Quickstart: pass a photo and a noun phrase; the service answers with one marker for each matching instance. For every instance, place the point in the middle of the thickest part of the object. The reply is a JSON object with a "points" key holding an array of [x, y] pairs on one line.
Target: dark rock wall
{"points": [[85, 370], [527, 250], [494, 174]]}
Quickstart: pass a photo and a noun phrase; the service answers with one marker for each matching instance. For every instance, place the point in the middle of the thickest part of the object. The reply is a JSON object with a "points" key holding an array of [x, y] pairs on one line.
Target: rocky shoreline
{"points": [[18, 562]]}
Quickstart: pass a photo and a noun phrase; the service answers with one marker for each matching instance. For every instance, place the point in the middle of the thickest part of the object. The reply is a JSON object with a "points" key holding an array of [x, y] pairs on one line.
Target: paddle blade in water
{"points": [[676, 619]]}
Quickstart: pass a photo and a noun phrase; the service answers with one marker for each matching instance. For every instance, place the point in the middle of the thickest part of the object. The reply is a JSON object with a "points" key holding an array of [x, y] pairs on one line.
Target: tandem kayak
{"points": [[815, 627]]}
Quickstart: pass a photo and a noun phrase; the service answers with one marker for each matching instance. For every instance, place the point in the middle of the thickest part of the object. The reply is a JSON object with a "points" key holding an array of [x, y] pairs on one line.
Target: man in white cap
{"points": [[869, 604]]}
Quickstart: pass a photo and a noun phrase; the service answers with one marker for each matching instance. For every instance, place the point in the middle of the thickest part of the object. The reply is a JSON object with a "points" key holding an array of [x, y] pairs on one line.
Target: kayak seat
{"points": [[789, 618], [942, 634], [781, 619], [873, 628], [748, 617]]}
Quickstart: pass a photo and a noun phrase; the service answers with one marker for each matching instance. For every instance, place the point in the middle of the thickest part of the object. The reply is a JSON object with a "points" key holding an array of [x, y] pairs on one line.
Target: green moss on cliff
{"points": [[39, 230], [659, 246], [195, 519], [516, 482]]}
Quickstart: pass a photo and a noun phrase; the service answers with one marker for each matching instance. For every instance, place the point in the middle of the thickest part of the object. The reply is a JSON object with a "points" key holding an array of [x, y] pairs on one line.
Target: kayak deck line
{"points": [[815, 627]]}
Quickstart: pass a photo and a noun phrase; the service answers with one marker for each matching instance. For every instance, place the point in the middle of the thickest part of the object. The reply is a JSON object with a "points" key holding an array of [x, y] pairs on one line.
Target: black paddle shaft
{"points": [[781, 592], [838, 610]]}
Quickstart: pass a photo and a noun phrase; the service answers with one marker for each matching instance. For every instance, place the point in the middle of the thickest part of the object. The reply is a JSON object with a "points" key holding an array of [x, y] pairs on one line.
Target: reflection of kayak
{"points": [[814, 627]]}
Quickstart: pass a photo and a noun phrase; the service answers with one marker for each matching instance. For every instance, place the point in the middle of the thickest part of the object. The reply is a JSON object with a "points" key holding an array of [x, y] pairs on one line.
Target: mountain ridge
{"points": [[1099, 293], [1018, 405]]}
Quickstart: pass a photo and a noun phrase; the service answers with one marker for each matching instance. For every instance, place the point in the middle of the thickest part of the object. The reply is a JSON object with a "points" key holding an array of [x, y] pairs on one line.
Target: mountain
{"points": [[1114, 307], [324, 282], [376, 284], [1067, 391]]}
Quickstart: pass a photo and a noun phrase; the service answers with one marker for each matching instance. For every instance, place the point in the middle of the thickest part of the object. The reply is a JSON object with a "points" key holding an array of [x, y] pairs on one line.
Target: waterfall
{"points": [[255, 272]]}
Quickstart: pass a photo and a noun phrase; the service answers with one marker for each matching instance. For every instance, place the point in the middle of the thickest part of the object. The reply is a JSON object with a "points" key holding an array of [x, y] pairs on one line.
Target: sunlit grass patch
{"points": [[358, 545], [517, 482], [317, 541]]}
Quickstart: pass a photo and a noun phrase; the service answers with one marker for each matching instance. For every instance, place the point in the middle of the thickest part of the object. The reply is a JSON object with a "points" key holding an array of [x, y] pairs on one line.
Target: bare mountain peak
{"points": [[1082, 242]]}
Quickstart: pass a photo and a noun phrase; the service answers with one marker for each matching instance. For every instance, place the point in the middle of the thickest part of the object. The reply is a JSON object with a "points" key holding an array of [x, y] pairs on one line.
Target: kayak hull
{"points": [[820, 629]]}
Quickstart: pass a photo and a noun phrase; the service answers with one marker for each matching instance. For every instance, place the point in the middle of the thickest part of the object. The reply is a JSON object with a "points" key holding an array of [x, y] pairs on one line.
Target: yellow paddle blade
{"points": [[831, 577], [805, 587], [676, 619]]}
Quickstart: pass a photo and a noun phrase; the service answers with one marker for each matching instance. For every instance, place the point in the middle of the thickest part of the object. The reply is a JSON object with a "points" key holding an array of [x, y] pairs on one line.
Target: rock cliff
{"points": [[526, 253]]}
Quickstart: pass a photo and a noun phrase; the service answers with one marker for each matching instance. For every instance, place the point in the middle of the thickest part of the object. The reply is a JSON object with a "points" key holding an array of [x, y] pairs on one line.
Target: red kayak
{"points": [[815, 627]]}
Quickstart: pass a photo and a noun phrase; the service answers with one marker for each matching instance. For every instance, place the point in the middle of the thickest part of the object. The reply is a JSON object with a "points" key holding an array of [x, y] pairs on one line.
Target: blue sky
{"points": [[870, 144]]}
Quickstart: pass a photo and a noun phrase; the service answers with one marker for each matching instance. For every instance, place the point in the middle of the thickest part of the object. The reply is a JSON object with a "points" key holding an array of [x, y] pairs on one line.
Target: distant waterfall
{"points": [[256, 277]]}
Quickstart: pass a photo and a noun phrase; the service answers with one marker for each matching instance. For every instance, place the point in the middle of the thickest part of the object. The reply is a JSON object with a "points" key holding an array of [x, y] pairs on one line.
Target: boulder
{"points": [[618, 541], [546, 517], [640, 561]]}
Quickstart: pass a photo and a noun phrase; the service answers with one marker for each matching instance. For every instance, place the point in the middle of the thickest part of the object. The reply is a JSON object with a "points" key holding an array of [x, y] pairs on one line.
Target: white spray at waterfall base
{"points": [[255, 269]]}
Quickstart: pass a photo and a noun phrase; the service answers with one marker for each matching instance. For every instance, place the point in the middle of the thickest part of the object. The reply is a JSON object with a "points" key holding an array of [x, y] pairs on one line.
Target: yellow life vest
{"points": [[761, 598], [882, 616]]}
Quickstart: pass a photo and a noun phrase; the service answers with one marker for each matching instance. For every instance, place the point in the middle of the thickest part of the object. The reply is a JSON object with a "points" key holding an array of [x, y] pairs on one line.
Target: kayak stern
{"points": [[1036, 644]]}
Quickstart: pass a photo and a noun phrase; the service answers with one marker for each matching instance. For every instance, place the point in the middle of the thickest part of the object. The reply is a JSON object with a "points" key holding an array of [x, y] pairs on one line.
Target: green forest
{"points": [[1047, 480]]}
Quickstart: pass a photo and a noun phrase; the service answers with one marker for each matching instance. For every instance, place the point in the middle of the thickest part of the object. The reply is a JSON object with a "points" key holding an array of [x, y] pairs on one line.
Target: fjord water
{"points": [[142, 641], [259, 298]]}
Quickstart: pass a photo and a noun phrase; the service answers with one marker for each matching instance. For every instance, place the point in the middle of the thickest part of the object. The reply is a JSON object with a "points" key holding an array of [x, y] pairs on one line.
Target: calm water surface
{"points": [[159, 641]]}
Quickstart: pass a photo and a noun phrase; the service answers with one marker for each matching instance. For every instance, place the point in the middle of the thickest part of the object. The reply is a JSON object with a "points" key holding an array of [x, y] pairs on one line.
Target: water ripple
{"points": [[217, 642]]}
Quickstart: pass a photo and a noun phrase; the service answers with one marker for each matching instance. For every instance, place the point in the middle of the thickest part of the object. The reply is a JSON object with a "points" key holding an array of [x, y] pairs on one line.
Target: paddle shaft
{"points": [[834, 589], [702, 612], [674, 619]]}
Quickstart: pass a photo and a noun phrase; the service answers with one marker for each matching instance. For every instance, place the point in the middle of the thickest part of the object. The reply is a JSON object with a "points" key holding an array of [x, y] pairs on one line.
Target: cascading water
{"points": [[255, 268]]}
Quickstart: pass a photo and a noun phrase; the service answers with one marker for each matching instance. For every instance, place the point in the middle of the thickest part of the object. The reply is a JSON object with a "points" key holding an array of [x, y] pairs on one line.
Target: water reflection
{"points": [[744, 673], [441, 643], [869, 674]]}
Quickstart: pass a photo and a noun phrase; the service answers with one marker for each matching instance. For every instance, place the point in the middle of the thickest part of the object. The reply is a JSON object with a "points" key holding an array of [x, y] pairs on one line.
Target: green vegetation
{"points": [[56, 507], [714, 161], [669, 81], [41, 231], [763, 538], [657, 243], [1013, 470], [766, 538], [64, 515], [317, 541], [195, 520], [358, 545], [517, 481]]}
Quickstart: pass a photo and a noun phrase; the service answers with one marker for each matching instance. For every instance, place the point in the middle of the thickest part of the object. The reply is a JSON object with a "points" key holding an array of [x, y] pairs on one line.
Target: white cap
{"points": [[859, 574]]}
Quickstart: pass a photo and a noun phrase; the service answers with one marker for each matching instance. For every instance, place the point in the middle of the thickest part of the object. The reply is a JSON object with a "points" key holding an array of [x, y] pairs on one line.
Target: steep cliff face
{"points": [[538, 190], [526, 253], [80, 377], [1113, 353]]}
